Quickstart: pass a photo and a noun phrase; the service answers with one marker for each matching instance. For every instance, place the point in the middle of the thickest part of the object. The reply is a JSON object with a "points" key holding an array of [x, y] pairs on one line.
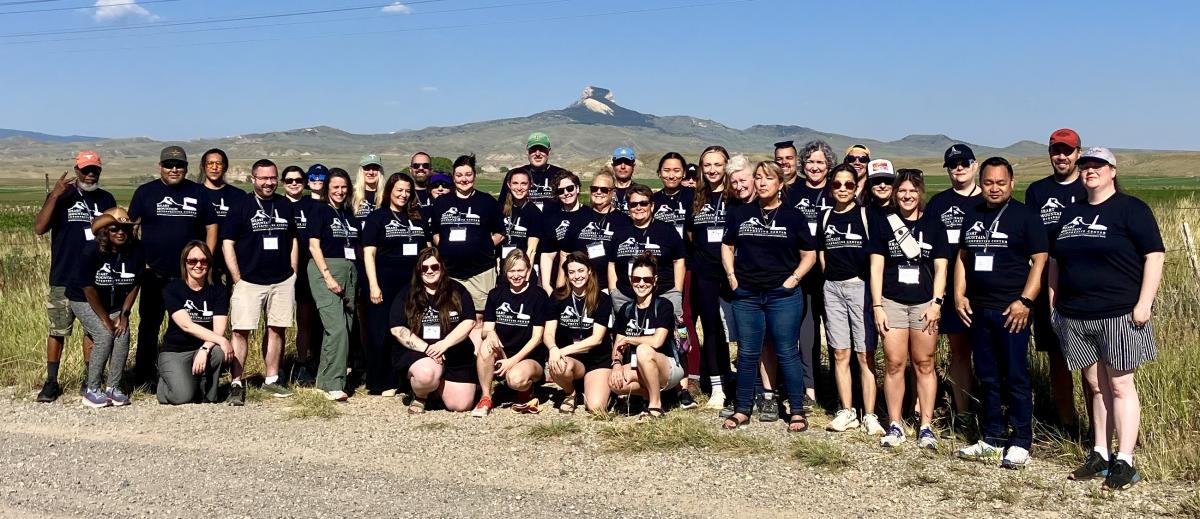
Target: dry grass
{"points": [[305, 404], [676, 432], [819, 453], [553, 429]]}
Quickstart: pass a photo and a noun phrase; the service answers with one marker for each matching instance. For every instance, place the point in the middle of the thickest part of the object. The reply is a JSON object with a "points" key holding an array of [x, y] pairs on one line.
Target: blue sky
{"points": [[987, 72]]}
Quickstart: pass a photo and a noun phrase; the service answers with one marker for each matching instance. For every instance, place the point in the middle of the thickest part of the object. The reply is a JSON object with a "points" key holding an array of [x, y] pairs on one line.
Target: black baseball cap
{"points": [[957, 153], [172, 153]]}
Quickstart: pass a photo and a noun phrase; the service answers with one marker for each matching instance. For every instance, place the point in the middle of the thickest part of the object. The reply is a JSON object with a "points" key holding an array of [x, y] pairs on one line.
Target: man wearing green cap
{"points": [[541, 173]]}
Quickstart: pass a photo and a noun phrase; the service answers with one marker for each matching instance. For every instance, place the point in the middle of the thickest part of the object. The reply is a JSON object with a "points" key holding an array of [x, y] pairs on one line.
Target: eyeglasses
{"points": [[643, 203], [440, 185], [431, 268], [419, 165], [293, 180], [564, 190], [194, 262], [836, 185], [861, 159], [214, 163], [315, 178], [601, 189], [641, 279], [266, 179]]}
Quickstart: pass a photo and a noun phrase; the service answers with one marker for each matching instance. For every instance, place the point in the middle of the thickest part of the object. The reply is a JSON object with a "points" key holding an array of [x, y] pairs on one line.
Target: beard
{"points": [[87, 188]]}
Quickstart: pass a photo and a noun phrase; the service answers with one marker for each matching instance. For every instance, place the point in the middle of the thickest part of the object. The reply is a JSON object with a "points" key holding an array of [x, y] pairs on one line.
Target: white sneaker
{"points": [[926, 439], [894, 436], [336, 396], [388, 393], [980, 451], [716, 400], [843, 421], [1015, 458], [870, 424]]}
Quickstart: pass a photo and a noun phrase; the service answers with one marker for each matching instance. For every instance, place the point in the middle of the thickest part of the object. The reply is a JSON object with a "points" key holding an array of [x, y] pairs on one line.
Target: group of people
{"points": [[419, 282]]}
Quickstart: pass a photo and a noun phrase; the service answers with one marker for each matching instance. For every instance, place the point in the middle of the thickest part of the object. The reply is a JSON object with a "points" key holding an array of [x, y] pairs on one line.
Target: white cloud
{"points": [[397, 8], [113, 10], [429, 89]]}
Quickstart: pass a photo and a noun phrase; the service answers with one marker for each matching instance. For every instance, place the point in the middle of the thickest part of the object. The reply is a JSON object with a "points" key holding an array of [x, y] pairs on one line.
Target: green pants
{"points": [[337, 317]]}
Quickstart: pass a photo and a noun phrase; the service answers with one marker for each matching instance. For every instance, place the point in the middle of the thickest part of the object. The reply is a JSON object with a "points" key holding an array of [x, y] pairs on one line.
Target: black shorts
{"points": [[540, 354], [404, 358], [1044, 337], [592, 362]]}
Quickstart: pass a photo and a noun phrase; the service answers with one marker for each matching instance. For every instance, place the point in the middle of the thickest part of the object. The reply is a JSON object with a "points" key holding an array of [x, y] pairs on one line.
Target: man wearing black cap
{"points": [[541, 173], [171, 212], [785, 156]]}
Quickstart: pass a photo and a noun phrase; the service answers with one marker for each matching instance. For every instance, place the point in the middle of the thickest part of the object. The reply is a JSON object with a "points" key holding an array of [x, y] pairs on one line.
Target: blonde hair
{"points": [[360, 190]]}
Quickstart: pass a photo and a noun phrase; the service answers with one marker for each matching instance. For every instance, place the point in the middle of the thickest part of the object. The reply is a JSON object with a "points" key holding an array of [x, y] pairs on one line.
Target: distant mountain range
{"points": [[583, 133]]}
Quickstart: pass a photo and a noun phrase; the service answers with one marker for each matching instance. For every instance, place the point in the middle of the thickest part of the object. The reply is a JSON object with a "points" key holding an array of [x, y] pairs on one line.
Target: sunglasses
{"points": [[861, 159], [959, 164], [124, 229], [564, 190], [419, 165], [440, 185], [431, 268], [643, 203], [836, 185], [293, 180], [618, 162], [881, 182], [641, 279], [601, 189], [315, 178], [538, 149], [193, 262], [174, 165]]}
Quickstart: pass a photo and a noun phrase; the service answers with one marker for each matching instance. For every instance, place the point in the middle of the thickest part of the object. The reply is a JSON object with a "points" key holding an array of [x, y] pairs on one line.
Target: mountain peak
{"points": [[596, 99], [597, 105]]}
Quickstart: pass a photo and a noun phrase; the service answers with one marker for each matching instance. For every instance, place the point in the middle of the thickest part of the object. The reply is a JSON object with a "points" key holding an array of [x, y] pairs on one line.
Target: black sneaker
{"points": [[769, 411], [730, 409], [809, 405], [50, 392], [685, 399], [237, 395], [1121, 476], [1093, 467]]}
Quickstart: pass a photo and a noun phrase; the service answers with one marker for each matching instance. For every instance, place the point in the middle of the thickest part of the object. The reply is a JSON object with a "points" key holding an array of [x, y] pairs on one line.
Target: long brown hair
{"points": [[591, 289], [509, 199], [703, 190], [445, 298], [413, 208]]}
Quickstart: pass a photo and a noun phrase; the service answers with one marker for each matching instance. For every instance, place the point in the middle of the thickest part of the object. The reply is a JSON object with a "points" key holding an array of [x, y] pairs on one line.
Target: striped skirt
{"points": [[1115, 340]]}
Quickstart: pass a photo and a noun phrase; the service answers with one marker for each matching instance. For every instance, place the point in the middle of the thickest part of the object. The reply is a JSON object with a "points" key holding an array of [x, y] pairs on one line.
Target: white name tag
{"points": [[539, 205], [909, 275], [952, 235], [588, 321], [983, 262], [270, 243], [458, 235], [596, 250], [409, 249], [348, 253], [716, 234], [679, 229], [87, 234], [431, 332], [812, 228], [505, 251]]}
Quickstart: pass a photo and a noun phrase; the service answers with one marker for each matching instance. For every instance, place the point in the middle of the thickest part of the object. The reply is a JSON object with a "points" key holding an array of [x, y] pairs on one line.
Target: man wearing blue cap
{"points": [[623, 164]]}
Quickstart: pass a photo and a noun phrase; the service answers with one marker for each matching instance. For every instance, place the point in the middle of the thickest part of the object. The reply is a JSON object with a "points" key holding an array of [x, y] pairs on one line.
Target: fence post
{"points": [[1191, 250]]}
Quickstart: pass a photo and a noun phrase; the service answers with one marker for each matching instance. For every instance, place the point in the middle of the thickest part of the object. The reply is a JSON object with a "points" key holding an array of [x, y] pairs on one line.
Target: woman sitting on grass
{"points": [[643, 329], [194, 348], [513, 321], [577, 335]]}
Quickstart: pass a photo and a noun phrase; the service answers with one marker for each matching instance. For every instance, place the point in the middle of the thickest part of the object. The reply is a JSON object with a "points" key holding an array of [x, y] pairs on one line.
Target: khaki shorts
{"points": [[58, 309], [478, 286], [900, 315], [248, 300]]}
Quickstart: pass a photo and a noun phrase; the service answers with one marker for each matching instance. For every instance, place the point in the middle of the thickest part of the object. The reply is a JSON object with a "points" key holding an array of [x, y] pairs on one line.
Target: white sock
{"points": [[1102, 452], [236, 383], [1127, 458], [270, 380], [715, 382]]}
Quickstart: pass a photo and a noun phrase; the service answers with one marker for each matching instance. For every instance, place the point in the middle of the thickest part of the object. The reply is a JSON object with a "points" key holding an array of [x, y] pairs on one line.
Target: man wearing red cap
{"points": [[67, 213], [1049, 196]]}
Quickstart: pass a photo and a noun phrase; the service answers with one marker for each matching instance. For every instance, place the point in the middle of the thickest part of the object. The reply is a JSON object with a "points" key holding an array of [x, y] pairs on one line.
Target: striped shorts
{"points": [[1115, 340]]}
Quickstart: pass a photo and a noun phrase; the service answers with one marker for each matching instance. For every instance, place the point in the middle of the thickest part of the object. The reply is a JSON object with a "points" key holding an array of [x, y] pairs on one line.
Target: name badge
{"points": [[270, 243], [87, 234], [348, 253], [812, 228], [716, 234], [588, 321], [505, 251], [952, 235], [409, 249], [539, 205], [458, 234], [679, 229], [431, 332], [595, 250], [909, 274], [983, 262]]}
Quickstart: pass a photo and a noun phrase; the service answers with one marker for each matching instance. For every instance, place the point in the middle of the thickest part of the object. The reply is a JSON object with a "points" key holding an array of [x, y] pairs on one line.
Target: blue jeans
{"points": [[1002, 367], [777, 311]]}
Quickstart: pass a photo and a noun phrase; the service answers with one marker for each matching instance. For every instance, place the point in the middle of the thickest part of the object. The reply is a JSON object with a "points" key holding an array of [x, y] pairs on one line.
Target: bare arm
{"points": [[408, 339], [215, 335], [41, 223], [497, 239], [680, 272], [295, 257], [595, 339], [727, 252], [210, 236], [612, 277], [231, 260], [1052, 282], [1151, 278]]}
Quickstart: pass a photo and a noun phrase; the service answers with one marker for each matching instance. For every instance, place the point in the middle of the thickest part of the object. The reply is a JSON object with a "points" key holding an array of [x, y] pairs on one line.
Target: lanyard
{"points": [[407, 234], [345, 225], [271, 216], [992, 229]]}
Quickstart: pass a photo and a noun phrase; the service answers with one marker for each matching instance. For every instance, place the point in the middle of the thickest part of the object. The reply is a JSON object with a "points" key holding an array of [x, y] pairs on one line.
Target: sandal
{"points": [[417, 406], [568, 404], [798, 423], [652, 413], [733, 422]]}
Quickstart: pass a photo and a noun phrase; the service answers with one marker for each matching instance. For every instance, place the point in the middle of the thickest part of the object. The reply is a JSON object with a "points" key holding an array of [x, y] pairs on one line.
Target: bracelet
{"points": [[205, 349], [876, 306]]}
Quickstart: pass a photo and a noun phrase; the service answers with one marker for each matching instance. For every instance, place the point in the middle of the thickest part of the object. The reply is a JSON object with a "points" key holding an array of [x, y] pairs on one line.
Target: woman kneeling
{"points": [[577, 335], [189, 366], [643, 330], [513, 322]]}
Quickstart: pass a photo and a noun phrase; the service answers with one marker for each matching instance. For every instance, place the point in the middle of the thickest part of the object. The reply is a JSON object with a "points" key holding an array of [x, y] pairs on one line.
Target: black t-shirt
{"points": [[767, 244], [1048, 197], [365, 207], [171, 216], [707, 229], [224, 199], [201, 305], [1100, 250], [844, 239], [464, 227], [620, 198], [997, 261], [515, 315], [262, 232], [591, 233], [632, 321], [113, 274], [951, 207], [430, 328], [674, 209], [398, 240], [335, 229], [300, 210], [556, 227], [811, 201], [541, 190], [657, 238], [904, 281], [575, 324], [524, 223], [424, 198], [71, 230]]}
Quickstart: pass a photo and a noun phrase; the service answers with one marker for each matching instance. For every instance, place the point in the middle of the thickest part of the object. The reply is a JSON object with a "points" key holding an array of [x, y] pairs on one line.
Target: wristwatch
{"points": [[1026, 301], [939, 301]]}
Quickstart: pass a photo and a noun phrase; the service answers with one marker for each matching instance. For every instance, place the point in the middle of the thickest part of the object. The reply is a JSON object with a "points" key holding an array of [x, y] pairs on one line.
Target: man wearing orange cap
{"points": [[67, 214]]}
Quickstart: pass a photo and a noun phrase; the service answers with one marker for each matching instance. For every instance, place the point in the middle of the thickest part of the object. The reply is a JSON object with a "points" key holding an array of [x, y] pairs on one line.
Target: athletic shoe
{"points": [[50, 392], [482, 408], [528, 407], [728, 410], [894, 436], [277, 390], [237, 395], [685, 399], [1015, 458], [95, 398], [387, 393], [716, 400], [809, 405], [1121, 476], [116, 397], [871, 426], [304, 377], [337, 396], [1095, 466], [843, 421], [982, 451], [769, 410], [926, 439]]}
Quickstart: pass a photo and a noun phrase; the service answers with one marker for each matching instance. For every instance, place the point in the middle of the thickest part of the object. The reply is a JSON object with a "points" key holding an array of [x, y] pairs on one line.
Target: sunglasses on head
{"points": [[861, 159], [293, 180], [193, 262], [419, 165], [601, 189], [850, 184], [440, 184], [316, 178], [641, 279], [431, 268], [643, 203], [564, 190]]}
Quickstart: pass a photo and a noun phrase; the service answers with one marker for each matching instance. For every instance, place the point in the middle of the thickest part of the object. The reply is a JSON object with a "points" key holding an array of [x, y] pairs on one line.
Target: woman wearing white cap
{"points": [[1105, 327]]}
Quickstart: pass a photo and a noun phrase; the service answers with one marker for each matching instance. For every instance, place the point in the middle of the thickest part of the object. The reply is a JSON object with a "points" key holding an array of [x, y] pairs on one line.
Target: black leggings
{"points": [[151, 311], [714, 352], [380, 373]]}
